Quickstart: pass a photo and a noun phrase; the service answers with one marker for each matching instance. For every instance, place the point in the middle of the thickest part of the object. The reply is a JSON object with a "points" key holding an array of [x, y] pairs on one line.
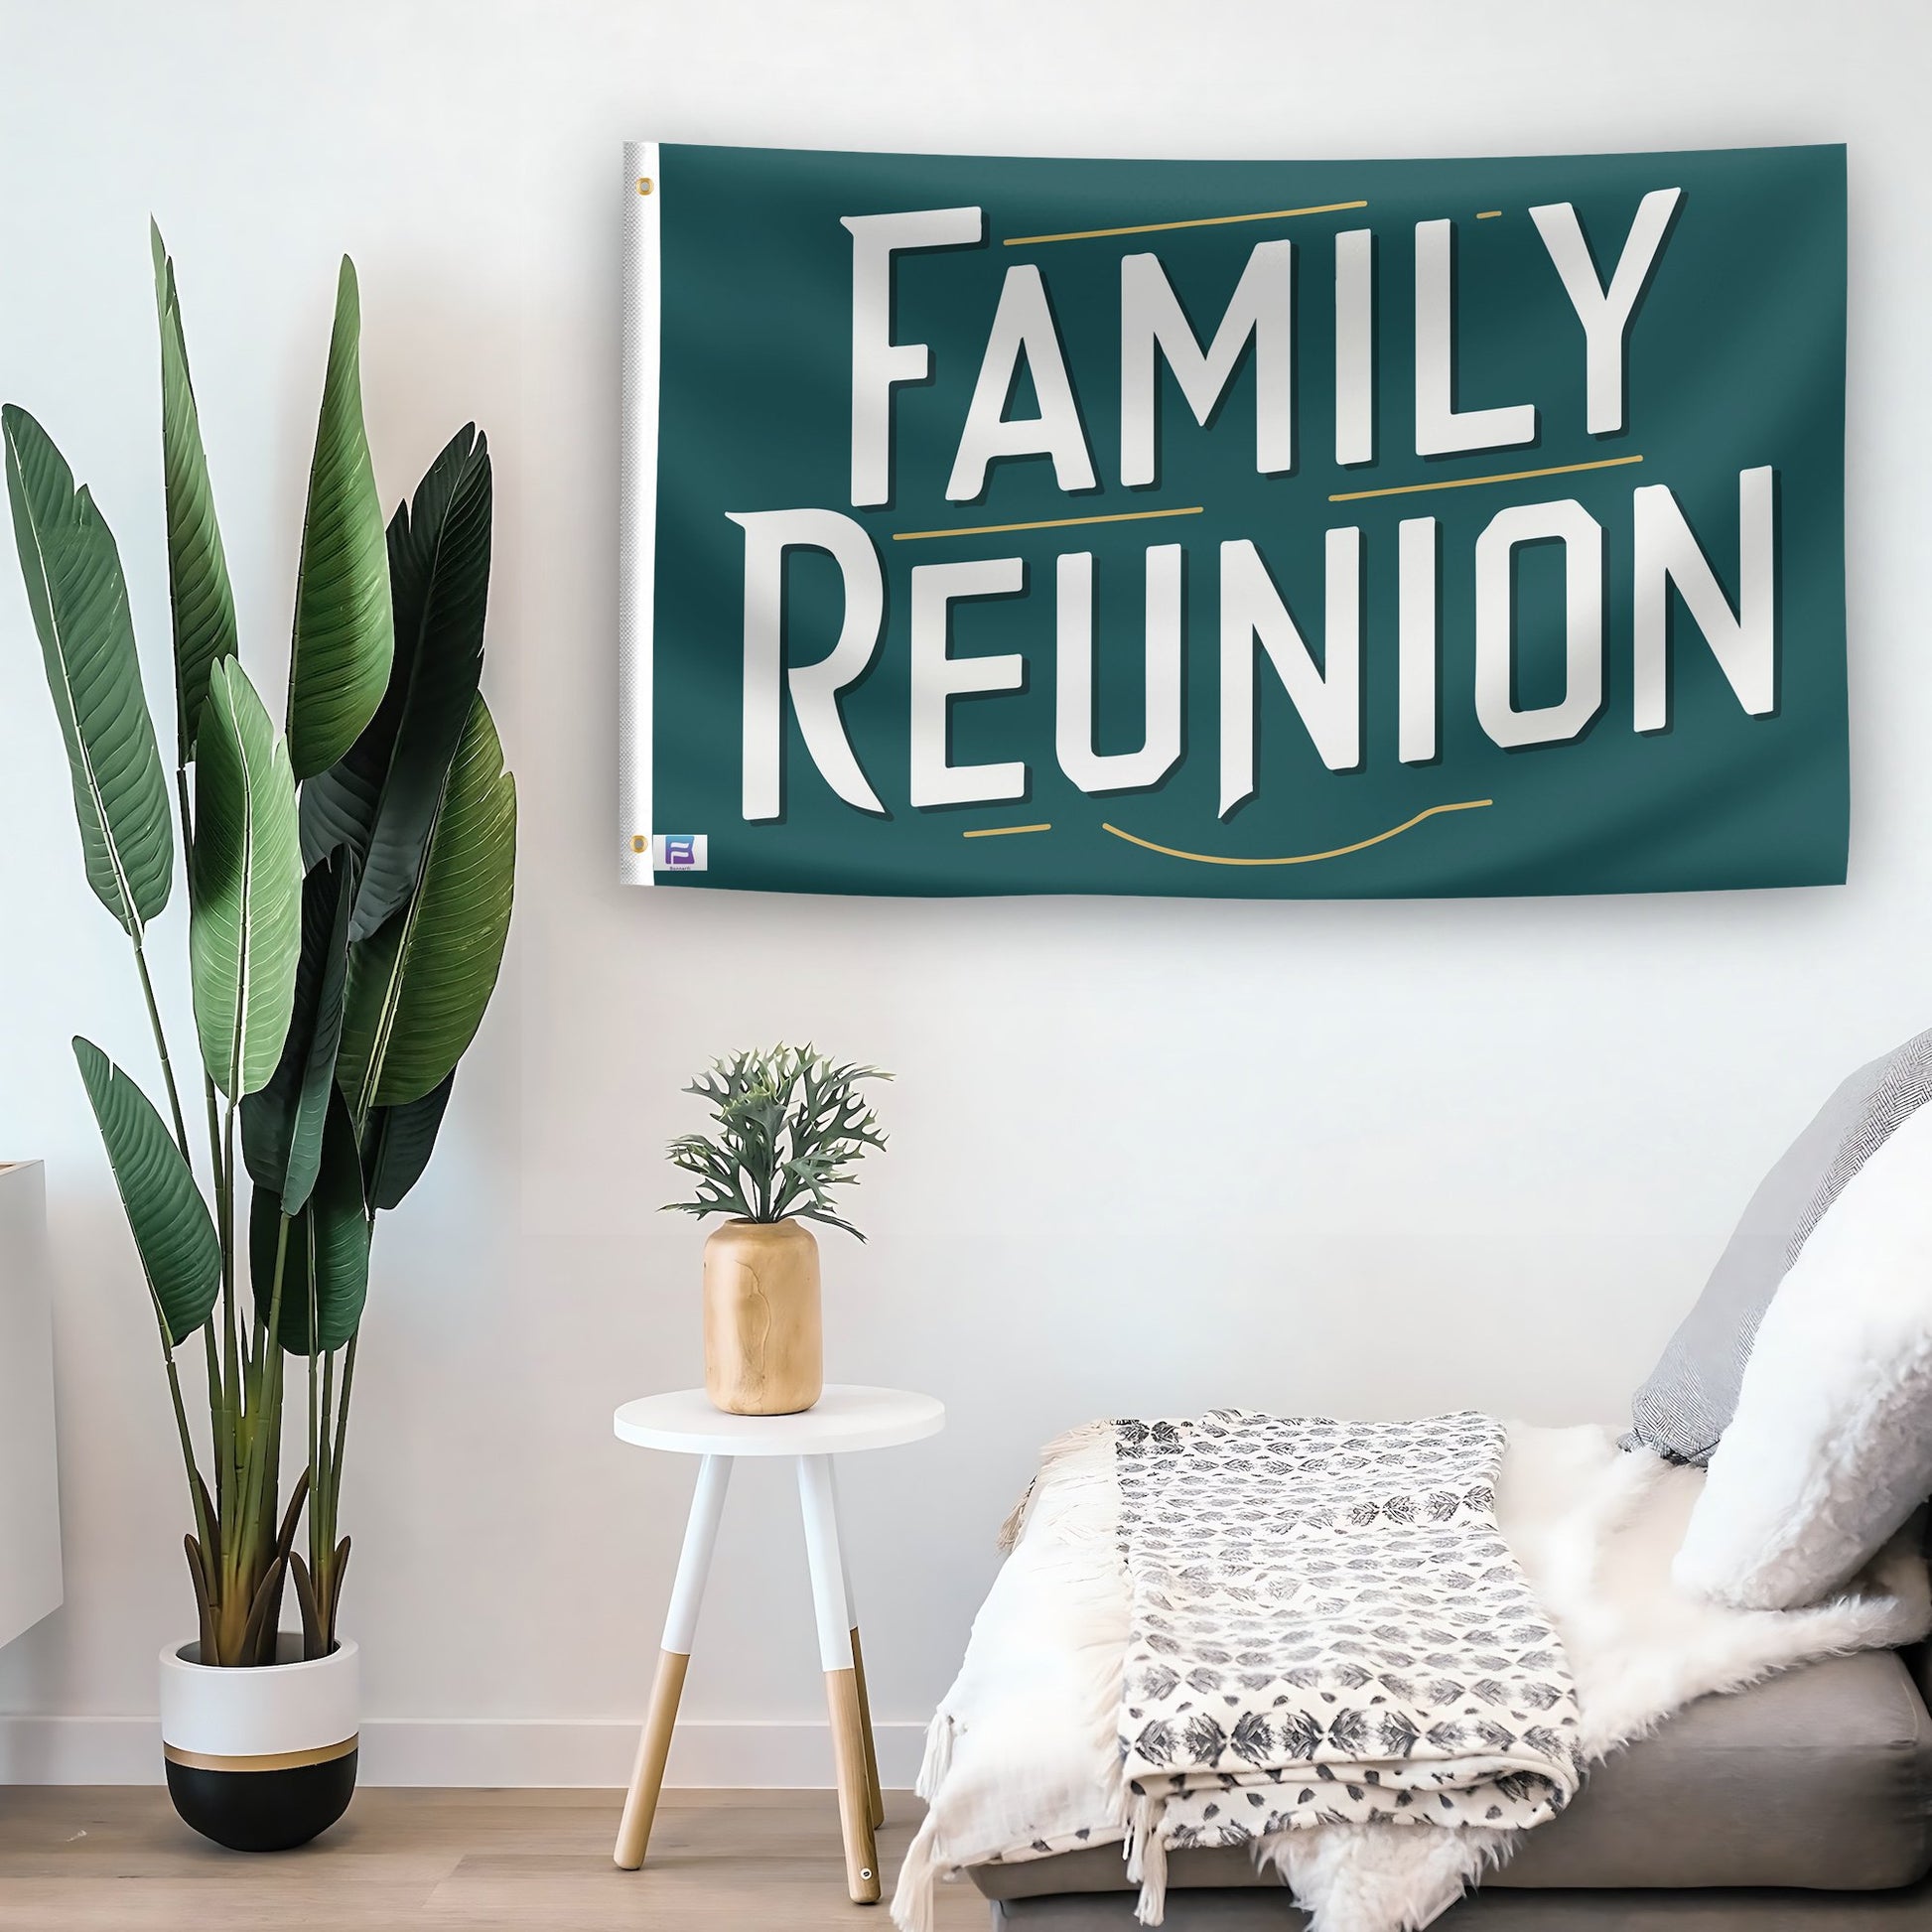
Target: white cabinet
{"points": [[30, 1511]]}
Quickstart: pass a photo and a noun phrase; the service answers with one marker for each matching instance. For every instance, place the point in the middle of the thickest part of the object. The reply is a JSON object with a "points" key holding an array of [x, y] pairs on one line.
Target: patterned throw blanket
{"points": [[1023, 1757], [1327, 1626]]}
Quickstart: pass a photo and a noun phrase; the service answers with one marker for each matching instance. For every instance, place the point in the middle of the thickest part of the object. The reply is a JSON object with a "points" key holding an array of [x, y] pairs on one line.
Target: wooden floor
{"points": [[116, 1859]]}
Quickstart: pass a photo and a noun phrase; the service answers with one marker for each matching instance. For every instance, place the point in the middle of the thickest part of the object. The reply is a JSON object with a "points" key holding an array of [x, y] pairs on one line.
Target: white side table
{"points": [[844, 1419]]}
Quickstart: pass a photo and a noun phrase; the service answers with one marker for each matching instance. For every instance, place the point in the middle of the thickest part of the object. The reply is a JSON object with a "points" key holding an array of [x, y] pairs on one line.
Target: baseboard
{"points": [[481, 1752]]}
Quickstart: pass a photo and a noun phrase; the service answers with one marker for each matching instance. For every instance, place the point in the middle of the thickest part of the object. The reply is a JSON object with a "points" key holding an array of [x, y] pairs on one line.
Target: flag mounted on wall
{"points": [[1252, 529]]}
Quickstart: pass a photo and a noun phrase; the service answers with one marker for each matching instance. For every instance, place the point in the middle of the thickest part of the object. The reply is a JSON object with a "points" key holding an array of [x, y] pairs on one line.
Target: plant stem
{"points": [[267, 1413], [220, 1396], [341, 1416], [187, 814], [190, 1468], [321, 1519], [218, 1432], [323, 1527], [234, 1414], [187, 1450], [316, 1433], [230, 1348], [161, 1047], [244, 1567]]}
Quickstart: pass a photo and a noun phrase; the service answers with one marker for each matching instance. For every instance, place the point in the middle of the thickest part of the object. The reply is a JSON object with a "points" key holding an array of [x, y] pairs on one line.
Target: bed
{"points": [[1768, 1769], [1801, 1805]]}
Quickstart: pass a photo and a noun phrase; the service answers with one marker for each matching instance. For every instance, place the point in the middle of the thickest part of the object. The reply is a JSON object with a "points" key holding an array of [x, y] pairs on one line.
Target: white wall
{"points": [[1371, 1159]]}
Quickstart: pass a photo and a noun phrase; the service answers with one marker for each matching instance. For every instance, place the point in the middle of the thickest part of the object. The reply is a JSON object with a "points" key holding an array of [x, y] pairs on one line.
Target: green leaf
{"points": [[326, 1264], [418, 989], [78, 598], [197, 570], [344, 632], [399, 1143], [281, 1126], [792, 1124], [381, 797], [173, 1233], [244, 933]]}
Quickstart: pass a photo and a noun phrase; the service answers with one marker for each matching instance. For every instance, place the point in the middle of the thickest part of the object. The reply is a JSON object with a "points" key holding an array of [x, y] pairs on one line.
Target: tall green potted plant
{"points": [[349, 880]]}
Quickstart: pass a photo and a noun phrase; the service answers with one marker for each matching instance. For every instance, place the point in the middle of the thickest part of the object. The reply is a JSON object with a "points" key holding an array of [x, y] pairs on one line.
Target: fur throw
{"points": [[1023, 1754]]}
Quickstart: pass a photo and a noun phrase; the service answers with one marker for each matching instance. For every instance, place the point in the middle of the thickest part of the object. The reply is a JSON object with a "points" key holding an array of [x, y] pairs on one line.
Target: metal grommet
{"points": [[644, 184]]}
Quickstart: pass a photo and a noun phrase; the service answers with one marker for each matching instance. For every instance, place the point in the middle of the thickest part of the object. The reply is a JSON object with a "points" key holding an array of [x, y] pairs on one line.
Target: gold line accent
{"points": [[1467, 482], [1200, 221], [264, 1762], [1487, 213], [1002, 831], [1301, 857], [1045, 524]]}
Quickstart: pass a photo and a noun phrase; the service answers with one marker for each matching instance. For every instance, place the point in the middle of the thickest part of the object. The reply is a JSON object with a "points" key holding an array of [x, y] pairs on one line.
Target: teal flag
{"points": [[1254, 529]]}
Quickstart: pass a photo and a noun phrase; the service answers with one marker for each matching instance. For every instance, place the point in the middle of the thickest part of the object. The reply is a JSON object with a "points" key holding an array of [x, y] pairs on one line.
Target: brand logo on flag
{"points": [[678, 851]]}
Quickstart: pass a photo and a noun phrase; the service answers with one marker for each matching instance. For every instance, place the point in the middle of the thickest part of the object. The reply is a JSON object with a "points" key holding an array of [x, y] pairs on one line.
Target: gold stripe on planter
{"points": [[266, 1762]]}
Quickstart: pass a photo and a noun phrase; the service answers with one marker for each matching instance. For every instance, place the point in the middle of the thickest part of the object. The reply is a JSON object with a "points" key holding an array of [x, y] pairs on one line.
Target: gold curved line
{"points": [[1200, 221], [1301, 857], [1502, 476], [260, 1760], [1047, 523]]}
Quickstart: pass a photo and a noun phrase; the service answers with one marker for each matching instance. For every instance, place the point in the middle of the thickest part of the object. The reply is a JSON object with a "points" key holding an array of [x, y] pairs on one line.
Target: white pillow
{"points": [[1830, 1451]]}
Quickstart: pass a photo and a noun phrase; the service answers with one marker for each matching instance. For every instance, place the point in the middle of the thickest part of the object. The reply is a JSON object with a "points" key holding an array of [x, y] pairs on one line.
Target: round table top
{"points": [[845, 1417]]}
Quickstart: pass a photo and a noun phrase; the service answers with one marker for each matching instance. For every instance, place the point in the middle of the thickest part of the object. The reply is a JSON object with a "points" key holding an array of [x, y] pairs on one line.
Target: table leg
{"points": [[878, 1797], [680, 1626], [819, 1507]]}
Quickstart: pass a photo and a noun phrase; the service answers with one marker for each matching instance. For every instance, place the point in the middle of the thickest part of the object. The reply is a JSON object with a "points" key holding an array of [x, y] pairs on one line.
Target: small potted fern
{"points": [[788, 1127]]}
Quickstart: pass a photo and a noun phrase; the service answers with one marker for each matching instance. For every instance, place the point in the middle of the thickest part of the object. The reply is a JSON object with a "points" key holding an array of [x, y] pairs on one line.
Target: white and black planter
{"points": [[262, 1760]]}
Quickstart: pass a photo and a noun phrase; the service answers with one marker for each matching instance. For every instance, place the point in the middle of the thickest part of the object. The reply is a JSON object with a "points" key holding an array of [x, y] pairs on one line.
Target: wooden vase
{"points": [[763, 1344]]}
